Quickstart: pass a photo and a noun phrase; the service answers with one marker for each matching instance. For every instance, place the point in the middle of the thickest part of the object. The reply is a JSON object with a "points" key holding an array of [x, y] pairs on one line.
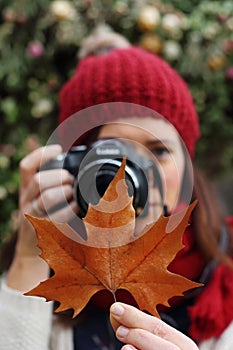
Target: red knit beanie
{"points": [[135, 76]]}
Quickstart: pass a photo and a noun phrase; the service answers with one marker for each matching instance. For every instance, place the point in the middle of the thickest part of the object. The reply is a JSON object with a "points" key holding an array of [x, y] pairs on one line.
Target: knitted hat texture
{"points": [[135, 76]]}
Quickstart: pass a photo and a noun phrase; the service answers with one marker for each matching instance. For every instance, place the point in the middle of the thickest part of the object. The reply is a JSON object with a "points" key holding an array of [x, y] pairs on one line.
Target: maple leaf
{"points": [[112, 258]]}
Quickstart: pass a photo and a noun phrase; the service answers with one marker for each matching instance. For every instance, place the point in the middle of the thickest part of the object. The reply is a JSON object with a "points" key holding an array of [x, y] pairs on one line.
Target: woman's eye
{"points": [[161, 152]]}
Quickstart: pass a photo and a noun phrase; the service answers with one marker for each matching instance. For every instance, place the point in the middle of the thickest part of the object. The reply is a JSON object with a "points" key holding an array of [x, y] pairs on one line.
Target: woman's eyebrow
{"points": [[151, 143]]}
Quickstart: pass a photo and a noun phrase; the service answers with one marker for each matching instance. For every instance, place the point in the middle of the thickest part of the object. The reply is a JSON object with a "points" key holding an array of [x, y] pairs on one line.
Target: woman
{"points": [[111, 70]]}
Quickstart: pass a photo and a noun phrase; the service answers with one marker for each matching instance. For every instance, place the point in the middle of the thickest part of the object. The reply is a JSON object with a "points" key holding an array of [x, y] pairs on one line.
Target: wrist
{"points": [[26, 272]]}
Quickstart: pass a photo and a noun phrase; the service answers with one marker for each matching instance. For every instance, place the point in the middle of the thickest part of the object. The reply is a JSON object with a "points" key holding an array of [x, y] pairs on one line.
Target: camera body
{"points": [[95, 166]]}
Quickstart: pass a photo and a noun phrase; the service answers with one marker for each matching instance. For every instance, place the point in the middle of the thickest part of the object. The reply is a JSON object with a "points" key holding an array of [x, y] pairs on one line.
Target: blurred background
{"points": [[39, 41]]}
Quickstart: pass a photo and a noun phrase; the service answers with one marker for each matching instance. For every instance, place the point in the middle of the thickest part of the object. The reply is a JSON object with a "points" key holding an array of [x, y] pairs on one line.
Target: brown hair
{"points": [[209, 223]]}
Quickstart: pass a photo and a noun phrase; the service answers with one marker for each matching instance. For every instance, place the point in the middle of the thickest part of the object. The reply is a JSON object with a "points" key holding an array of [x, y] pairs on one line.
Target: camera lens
{"points": [[94, 179]]}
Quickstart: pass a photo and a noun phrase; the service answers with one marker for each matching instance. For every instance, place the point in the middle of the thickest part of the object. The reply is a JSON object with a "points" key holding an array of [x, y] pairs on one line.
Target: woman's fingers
{"points": [[44, 190], [45, 180], [31, 163], [142, 329], [55, 198], [65, 214], [143, 339]]}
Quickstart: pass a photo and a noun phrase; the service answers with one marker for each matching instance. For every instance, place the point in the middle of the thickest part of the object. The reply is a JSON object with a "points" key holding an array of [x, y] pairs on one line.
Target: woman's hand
{"points": [[140, 331], [39, 193]]}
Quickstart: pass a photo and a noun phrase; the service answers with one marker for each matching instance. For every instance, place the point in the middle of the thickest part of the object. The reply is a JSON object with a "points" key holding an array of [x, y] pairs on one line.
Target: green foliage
{"points": [[39, 41]]}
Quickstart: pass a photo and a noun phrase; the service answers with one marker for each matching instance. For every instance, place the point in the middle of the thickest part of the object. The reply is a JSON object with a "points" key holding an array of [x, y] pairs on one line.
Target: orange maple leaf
{"points": [[111, 258]]}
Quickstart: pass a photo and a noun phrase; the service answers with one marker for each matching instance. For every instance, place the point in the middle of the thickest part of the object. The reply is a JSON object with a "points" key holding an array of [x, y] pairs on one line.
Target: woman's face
{"points": [[163, 141]]}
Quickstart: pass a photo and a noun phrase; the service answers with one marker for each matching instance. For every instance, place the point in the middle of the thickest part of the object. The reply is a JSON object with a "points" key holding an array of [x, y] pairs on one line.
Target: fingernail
{"points": [[122, 332], [117, 309]]}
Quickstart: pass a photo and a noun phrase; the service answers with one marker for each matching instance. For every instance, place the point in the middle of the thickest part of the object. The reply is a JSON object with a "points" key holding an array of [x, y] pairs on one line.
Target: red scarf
{"points": [[213, 309]]}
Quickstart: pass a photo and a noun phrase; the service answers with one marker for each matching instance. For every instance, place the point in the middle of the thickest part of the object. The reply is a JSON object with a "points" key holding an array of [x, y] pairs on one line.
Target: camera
{"points": [[95, 166]]}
